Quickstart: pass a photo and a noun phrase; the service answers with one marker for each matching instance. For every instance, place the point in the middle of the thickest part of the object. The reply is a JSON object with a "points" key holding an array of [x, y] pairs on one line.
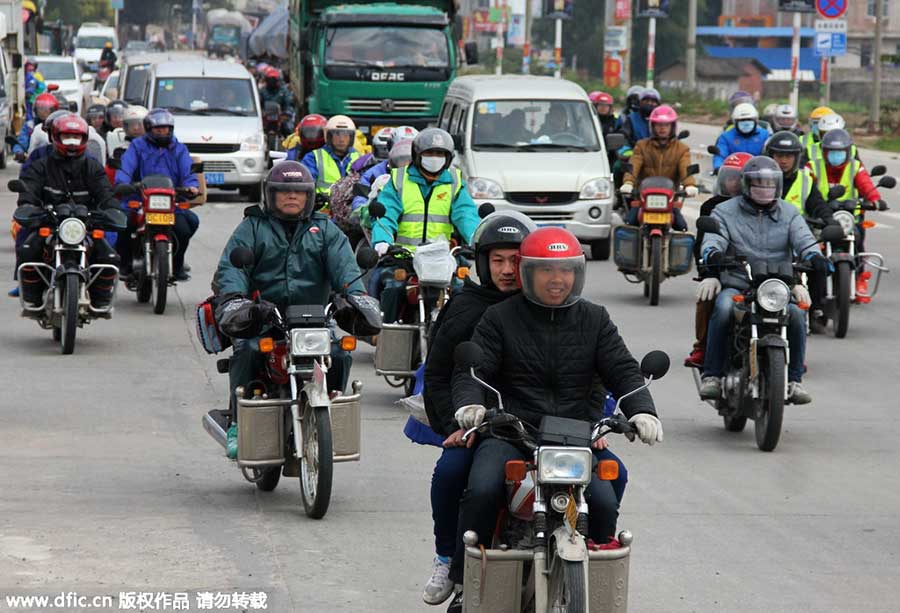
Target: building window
{"points": [[870, 8]]}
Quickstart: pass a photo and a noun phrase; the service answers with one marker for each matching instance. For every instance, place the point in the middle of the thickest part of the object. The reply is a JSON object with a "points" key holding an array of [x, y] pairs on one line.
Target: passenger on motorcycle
{"points": [[132, 128], [301, 257], [310, 136], [108, 57], [424, 201], [761, 227], [34, 87], [811, 139], [838, 166], [385, 139], [44, 105], [632, 104], [544, 350], [275, 91], [115, 116], [826, 124], [636, 126], [603, 104], [96, 117], [330, 163], [661, 155], [728, 185], [66, 175], [746, 135], [785, 119], [158, 152], [400, 155]]}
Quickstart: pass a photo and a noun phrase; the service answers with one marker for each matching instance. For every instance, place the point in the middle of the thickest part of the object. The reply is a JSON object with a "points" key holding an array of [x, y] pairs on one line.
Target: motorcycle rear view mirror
{"points": [[115, 220], [877, 171], [11, 141], [693, 169], [277, 156], [614, 142], [831, 233], [655, 365], [684, 134], [486, 209], [361, 190], [709, 225], [887, 182], [366, 258], [124, 189], [241, 257], [836, 192], [196, 168], [377, 210], [15, 186], [468, 354], [713, 150]]}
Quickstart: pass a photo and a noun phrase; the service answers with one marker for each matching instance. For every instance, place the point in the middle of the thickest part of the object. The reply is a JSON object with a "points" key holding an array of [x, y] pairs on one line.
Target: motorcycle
{"points": [[541, 559], [276, 124], [68, 230], [653, 251], [841, 286], [154, 215], [755, 383], [426, 276], [288, 422]]}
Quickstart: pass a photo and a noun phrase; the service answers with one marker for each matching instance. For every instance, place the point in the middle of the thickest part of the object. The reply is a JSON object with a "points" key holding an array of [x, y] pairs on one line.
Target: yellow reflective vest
{"points": [[328, 170], [422, 221], [800, 190]]}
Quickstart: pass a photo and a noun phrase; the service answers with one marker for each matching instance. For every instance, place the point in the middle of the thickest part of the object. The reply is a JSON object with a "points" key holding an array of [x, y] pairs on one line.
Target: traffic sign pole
{"points": [[795, 63], [651, 51]]}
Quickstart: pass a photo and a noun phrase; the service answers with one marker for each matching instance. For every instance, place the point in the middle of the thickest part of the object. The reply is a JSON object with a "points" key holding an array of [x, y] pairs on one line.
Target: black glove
{"points": [[262, 312], [882, 205], [715, 258], [819, 264]]}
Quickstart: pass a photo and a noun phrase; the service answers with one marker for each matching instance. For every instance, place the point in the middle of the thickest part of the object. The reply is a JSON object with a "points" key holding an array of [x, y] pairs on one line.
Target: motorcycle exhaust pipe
{"points": [[215, 431]]}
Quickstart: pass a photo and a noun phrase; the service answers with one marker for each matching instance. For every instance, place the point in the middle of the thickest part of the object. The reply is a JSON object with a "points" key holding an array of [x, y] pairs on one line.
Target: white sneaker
{"points": [[439, 586]]}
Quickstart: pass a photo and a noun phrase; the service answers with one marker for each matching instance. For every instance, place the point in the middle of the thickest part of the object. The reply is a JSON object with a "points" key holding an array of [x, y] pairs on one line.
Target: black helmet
{"points": [[785, 142], [158, 118], [499, 230], [433, 140], [289, 176], [95, 110], [837, 139], [116, 108], [762, 181]]}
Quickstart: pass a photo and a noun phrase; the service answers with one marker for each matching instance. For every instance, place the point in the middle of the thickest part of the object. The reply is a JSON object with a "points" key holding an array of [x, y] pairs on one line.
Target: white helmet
{"points": [[785, 117], [744, 110], [135, 112], [339, 123], [831, 122]]}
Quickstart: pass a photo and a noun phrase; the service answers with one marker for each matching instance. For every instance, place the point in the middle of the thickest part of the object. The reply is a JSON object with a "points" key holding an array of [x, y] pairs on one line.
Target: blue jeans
{"points": [[719, 337]]}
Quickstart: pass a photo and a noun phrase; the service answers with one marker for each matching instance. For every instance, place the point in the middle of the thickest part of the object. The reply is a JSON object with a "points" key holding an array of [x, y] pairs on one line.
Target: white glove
{"points": [[470, 416], [801, 295], [691, 191], [648, 427], [708, 289], [626, 189], [381, 248]]}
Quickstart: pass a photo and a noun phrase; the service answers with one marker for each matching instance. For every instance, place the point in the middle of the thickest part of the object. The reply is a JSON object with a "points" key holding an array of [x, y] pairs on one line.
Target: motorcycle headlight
{"points": [[306, 343], [564, 465], [72, 231], [159, 203], [848, 223], [773, 295], [596, 189], [254, 142], [656, 201], [485, 188]]}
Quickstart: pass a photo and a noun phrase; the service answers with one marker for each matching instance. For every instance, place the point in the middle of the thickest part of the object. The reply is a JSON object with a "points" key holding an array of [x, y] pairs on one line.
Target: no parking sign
{"points": [[831, 9]]}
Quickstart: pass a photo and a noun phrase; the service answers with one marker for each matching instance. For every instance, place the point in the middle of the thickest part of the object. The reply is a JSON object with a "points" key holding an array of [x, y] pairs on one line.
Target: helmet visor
{"points": [[785, 122], [552, 282], [728, 182], [312, 133]]}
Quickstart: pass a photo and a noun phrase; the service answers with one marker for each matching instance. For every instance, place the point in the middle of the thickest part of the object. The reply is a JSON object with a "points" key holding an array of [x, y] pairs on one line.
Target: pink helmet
{"points": [[600, 98], [664, 114]]}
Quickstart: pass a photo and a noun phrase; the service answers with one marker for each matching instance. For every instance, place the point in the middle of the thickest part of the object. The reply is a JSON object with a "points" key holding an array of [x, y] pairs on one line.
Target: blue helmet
{"points": [[159, 118]]}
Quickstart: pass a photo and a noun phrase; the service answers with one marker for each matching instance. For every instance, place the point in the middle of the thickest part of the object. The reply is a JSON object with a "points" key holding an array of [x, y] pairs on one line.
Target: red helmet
{"points": [[272, 73], [551, 267], [600, 98], [312, 132], [70, 134], [664, 114], [728, 180], [47, 102]]}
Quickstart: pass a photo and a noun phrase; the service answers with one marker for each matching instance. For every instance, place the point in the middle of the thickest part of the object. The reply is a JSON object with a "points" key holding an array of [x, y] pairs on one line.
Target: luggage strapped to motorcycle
{"points": [[211, 338]]}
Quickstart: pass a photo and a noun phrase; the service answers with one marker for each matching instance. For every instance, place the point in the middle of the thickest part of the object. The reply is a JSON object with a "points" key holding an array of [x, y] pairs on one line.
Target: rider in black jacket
{"points": [[66, 175], [542, 351]]}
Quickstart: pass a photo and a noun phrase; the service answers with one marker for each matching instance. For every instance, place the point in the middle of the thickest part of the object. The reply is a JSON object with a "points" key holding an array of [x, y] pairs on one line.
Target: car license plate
{"points": [[214, 178], [161, 219], [657, 218]]}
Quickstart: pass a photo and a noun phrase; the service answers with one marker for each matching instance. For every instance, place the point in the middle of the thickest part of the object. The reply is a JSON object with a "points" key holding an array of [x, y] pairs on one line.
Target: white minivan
{"points": [[217, 115], [533, 144], [89, 43]]}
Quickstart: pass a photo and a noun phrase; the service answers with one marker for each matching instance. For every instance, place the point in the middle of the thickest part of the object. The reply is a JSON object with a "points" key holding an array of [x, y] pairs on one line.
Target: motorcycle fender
{"points": [[771, 340], [656, 232], [842, 257], [317, 394], [161, 238], [570, 548]]}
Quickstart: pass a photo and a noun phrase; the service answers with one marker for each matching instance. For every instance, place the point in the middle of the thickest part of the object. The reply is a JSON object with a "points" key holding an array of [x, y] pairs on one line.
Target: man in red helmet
{"points": [[311, 131], [603, 104], [44, 105], [66, 175], [544, 350], [661, 155], [275, 91]]}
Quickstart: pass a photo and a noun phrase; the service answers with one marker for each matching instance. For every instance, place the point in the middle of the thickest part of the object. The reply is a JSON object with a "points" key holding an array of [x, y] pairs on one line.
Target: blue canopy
{"points": [[753, 32]]}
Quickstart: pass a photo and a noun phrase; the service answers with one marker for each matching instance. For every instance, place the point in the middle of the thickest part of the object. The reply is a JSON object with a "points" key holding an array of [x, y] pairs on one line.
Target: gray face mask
{"points": [[433, 164]]}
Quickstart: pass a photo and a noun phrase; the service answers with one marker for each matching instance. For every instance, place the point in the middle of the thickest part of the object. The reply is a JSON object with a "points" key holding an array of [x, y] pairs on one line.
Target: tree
{"points": [[75, 13]]}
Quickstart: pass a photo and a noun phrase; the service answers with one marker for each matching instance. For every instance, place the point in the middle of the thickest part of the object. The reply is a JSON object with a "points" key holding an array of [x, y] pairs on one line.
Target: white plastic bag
{"points": [[433, 264]]}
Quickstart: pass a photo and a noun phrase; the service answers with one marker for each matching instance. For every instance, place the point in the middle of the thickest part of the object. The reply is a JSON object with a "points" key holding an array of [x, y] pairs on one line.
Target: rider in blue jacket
{"points": [[745, 136], [636, 125], [159, 152]]}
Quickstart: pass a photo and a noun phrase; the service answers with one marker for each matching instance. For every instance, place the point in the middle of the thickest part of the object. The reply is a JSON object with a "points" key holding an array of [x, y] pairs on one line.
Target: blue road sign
{"points": [[831, 43]]}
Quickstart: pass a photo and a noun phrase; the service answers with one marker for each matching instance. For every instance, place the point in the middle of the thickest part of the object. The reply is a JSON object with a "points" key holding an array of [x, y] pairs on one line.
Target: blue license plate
{"points": [[551, 225], [214, 178]]}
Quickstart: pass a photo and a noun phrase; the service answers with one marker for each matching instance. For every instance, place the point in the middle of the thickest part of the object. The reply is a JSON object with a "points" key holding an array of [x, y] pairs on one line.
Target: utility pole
{"points": [[651, 51], [499, 70], [691, 60], [875, 112], [558, 49], [526, 50], [795, 63]]}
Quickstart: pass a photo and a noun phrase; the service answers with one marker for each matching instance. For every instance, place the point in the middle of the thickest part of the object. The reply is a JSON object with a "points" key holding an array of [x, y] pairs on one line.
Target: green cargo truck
{"points": [[381, 63]]}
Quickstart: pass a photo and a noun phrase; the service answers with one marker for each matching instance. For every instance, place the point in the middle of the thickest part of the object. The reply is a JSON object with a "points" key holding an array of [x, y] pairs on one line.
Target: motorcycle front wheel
{"points": [[268, 480], [655, 268], [69, 322], [768, 421], [161, 276], [567, 589], [317, 463], [842, 281]]}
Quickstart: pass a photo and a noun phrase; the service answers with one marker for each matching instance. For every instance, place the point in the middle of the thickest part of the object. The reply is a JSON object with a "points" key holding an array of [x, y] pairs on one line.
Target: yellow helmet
{"points": [[820, 112]]}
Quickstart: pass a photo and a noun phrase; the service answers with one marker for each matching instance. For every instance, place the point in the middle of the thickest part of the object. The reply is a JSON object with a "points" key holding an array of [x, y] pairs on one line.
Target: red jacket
{"points": [[862, 182]]}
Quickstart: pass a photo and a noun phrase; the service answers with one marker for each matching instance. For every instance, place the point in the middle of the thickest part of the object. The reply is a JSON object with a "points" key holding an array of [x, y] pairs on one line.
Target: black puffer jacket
{"points": [[454, 325], [544, 361], [53, 179]]}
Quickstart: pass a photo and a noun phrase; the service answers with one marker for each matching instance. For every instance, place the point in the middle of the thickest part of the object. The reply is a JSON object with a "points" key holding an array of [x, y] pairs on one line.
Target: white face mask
{"points": [[71, 141], [433, 164]]}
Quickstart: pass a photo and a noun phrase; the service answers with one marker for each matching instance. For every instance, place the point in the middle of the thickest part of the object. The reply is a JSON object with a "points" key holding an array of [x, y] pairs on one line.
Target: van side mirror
{"points": [[471, 50], [16, 61], [615, 141], [458, 143]]}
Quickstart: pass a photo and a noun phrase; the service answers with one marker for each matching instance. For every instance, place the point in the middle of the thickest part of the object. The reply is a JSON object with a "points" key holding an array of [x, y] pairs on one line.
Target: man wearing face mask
{"points": [[632, 103], [811, 140], [745, 136], [838, 166], [761, 227], [636, 125]]}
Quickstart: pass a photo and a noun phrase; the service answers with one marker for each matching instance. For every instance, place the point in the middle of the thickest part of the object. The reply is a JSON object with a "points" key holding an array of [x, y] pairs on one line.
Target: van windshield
{"points": [[57, 71], [534, 125], [206, 96], [94, 42]]}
